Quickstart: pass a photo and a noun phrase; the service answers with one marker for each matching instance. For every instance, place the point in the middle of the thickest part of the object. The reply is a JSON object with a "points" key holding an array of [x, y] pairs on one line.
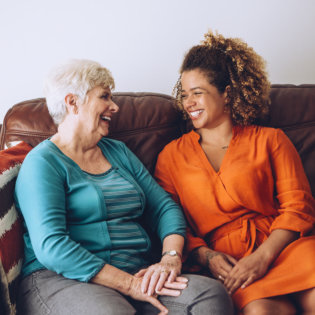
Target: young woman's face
{"points": [[97, 110], [202, 101]]}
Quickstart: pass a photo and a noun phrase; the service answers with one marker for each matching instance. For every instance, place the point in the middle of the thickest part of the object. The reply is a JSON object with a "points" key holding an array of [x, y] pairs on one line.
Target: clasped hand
{"points": [[237, 274], [163, 277], [159, 279]]}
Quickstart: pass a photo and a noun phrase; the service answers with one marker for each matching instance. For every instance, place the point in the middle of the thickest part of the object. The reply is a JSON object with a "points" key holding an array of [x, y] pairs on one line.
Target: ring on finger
{"points": [[220, 277], [164, 270]]}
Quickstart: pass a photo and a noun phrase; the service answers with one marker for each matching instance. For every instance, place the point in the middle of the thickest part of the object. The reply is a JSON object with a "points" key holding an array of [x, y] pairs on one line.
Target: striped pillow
{"points": [[11, 241]]}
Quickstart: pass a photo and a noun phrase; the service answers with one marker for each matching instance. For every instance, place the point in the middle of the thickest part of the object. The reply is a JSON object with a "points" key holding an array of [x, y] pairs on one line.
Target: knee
{"points": [[209, 294], [306, 301], [269, 307]]}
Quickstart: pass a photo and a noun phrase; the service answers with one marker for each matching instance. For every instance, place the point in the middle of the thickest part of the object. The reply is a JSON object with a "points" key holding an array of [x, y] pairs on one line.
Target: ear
{"points": [[227, 94], [71, 101]]}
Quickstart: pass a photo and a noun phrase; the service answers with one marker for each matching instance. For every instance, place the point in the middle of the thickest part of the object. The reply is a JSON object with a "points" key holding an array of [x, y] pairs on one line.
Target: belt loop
{"points": [[248, 235], [244, 230]]}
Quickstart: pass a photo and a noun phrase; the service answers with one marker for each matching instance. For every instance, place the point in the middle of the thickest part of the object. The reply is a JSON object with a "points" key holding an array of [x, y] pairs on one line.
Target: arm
{"points": [[127, 284], [162, 214], [296, 214], [296, 204], [165, 217], [166, 272], [40, 195]]}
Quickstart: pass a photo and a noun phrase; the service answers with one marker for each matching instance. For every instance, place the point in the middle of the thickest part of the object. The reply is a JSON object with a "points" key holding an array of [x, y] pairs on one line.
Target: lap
{"points": [[45, 292], [203, 295]]}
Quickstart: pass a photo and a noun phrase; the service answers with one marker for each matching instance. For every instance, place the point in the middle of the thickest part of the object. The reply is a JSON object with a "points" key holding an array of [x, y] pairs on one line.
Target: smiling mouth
{"points": [[106, 118], [195, 113]]}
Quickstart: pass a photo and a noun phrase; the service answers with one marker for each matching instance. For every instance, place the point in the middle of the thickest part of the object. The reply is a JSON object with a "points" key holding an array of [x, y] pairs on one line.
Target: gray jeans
{"points": [[45, 292]]}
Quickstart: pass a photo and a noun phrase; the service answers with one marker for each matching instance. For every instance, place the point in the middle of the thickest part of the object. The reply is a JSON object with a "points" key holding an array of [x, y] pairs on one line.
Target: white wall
{"points": [[143, 41]]}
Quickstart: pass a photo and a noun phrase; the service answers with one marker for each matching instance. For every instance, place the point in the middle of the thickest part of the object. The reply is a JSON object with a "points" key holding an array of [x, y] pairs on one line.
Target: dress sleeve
{"points": [[163, 175], [40, 195], [296, 204], [163, 214]]}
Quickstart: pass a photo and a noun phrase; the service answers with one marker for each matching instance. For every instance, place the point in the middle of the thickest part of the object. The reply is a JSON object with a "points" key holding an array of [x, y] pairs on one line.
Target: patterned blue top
{"points": [[123, 205]]}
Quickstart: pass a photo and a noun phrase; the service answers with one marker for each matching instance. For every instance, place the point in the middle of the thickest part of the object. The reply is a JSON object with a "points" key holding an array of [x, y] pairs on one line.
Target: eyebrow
{"points": [[195, 88]]}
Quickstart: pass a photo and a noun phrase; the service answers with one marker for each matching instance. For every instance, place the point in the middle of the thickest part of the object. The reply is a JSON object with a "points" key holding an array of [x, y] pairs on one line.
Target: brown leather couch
{"points": [[148, 121]]}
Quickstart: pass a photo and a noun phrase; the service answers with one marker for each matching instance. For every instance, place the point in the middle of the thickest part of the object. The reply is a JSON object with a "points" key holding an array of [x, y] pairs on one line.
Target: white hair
{"points": [[77, 77]]}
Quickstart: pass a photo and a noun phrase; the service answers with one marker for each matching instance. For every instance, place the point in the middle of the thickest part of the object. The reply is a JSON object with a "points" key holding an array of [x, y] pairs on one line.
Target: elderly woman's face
{"points": [[97, 110]]}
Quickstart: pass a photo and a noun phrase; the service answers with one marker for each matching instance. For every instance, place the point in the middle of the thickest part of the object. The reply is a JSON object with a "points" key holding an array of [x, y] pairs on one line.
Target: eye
{"points": [[198, 93], [184, 96], [106, 96]]}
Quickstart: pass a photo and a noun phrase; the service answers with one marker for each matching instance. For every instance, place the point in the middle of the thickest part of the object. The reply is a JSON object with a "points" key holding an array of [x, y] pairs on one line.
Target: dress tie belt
{"points": [[247, 225]]}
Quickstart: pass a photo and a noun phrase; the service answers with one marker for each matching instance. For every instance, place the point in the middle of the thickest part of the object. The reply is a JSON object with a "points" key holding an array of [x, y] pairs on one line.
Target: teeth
{"points": [[196, 113], [106, 118]]}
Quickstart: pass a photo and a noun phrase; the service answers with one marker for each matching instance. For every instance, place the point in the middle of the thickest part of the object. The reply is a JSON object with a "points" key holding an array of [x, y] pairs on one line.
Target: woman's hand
{"points": [[254, 266], [246, 271], [219, 264], [163, 277], [135, 293]]}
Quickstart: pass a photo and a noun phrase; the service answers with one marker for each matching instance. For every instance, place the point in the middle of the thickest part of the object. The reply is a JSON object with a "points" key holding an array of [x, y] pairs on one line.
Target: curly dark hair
{"points": [[230, 62]]}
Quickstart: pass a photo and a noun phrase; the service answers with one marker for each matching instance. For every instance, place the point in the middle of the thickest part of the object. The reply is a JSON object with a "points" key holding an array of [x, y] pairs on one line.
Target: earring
{"points": [[226, 109]]}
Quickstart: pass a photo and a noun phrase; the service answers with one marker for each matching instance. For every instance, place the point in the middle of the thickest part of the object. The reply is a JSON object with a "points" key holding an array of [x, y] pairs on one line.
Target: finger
{"points": [[163, 277], [231, 259], [155, 302], [172, 276], [140, 273], [146, 280], [181, 279], [169, 292], [175, 285], [153, 282], [233, 285], [226, 266], [249, 281], [236, 285]]}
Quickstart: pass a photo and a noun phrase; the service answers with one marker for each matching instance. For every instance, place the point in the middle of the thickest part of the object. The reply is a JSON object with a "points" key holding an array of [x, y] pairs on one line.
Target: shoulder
{"points": [[268, 137], [107, 143], [44, 151], [181, 145], [259, 132]]}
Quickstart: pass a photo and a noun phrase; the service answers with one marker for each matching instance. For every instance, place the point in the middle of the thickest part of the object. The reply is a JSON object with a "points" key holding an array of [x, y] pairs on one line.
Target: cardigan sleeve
{"points": [[40, 195], [163, 214], [296, 204]]}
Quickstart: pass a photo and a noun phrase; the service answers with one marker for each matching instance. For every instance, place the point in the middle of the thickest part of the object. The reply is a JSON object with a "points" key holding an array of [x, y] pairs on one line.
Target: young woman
{"points": [[242, 187]]}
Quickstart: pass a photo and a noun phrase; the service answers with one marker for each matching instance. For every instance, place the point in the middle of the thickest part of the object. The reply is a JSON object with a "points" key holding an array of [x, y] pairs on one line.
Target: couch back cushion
{"points": [[148, 121], [11, 231], [293, 110]]}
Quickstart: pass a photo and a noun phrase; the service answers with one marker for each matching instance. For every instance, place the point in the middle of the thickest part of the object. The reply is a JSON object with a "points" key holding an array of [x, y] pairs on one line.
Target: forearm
{"points": [[202, 255], [275, 243], [114, 278], [173, 242]]}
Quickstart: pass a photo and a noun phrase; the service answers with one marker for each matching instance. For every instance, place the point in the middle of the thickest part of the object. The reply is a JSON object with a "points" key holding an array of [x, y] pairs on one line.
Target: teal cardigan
{"points": [[65, 214]]}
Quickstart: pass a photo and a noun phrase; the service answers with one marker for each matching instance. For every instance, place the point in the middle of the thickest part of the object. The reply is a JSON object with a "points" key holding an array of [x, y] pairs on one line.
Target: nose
{"points": [[189, 101], [114, 108]]}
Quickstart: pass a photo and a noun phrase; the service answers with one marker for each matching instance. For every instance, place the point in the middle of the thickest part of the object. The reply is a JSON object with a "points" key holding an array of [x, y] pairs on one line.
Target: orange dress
{"points": [[260, 186]]}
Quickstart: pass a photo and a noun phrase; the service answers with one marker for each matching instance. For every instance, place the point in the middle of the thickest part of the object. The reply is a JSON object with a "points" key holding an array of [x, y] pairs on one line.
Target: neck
{"points": [[71, 139], [219, 136]]}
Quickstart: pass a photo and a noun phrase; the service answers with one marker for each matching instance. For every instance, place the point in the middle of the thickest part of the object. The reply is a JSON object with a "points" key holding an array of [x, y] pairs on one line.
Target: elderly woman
{"points": [[82, 197], [250, 209]]}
